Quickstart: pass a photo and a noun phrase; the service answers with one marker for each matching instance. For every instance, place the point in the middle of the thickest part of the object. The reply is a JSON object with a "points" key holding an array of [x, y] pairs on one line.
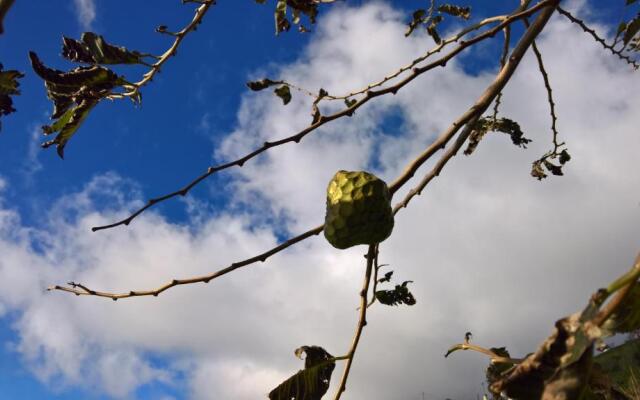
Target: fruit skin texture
{"points": [[358, 210]]}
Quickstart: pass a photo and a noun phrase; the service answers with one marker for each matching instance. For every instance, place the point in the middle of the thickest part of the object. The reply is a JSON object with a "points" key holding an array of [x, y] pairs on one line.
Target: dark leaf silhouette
{"points": [[399, 295], [312, 382], [456, 11], [284, 93], [8, 87], [261, 84], [93, 49]]}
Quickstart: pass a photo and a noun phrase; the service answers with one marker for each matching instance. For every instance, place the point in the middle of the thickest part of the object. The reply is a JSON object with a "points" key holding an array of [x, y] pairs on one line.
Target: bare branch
{"points": [[598, 39], [171, 51], [362, 321], [79, 289], [495, 358], [323, 119]]}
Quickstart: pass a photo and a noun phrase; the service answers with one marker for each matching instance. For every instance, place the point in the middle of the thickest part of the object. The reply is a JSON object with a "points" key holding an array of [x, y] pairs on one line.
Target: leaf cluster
{"points": [[309, 8], [76, 92], [431, 18]]}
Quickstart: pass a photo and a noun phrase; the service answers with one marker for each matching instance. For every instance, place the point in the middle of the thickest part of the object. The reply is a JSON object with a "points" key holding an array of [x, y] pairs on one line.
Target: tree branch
{"points": [[79, 289], [598, 39], [371, 94], [362, 321], [170, 52]]}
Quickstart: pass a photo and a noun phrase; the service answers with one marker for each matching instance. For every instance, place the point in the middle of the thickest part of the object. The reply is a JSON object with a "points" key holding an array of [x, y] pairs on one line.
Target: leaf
{"points": [[432, 29], [284, 93], [262, 84], [489, 124], [397, 296], [386, 277], [629, 2], [282, 23], [559, 368], [312, 382], [564, 157], [350, 102], [8, 87], [456, 11], [74, 94], [93, 49], [537, 171], [5, 5], [68, 124], [418, 19], [551, 167], [633, 27]]}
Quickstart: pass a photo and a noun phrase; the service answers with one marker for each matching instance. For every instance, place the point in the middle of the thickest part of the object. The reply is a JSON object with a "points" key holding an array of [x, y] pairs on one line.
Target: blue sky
{"points": [[198, 111]]}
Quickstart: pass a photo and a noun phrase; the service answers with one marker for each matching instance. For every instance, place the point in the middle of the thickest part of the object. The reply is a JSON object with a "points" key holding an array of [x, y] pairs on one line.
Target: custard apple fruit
{"points": [[358, 210]]}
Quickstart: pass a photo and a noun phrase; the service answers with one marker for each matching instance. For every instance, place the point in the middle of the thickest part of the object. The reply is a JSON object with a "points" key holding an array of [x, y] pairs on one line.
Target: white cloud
{"points": [[85, 12], [490, 249]]}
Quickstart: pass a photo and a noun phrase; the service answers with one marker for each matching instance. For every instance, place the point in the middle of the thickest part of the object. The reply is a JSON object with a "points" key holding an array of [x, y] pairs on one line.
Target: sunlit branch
{"points": [[79, 289], [362, 321], [323, 119], [622, 288], [171, 51]]}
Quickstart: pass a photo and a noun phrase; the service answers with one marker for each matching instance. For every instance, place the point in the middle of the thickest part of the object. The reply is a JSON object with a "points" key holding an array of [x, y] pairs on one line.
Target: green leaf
{"points": [[456, 11], [284, 93], [262, 84], [399, 295], [8, 87], [68, 124], [93, 49], [74, 94], [312, 382]]}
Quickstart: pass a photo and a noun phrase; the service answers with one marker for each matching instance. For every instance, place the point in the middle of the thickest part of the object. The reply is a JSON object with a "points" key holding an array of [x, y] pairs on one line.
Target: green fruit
{"points": [[358, 210]]}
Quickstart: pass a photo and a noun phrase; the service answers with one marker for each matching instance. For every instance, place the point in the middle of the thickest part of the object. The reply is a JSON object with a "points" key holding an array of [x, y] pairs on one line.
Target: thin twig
{"points": [[323, 119], [503, 61], [171, 51], [547, 85], [362, 321], [376, 269], [598, 39], [495, 358], [79, 289]]}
